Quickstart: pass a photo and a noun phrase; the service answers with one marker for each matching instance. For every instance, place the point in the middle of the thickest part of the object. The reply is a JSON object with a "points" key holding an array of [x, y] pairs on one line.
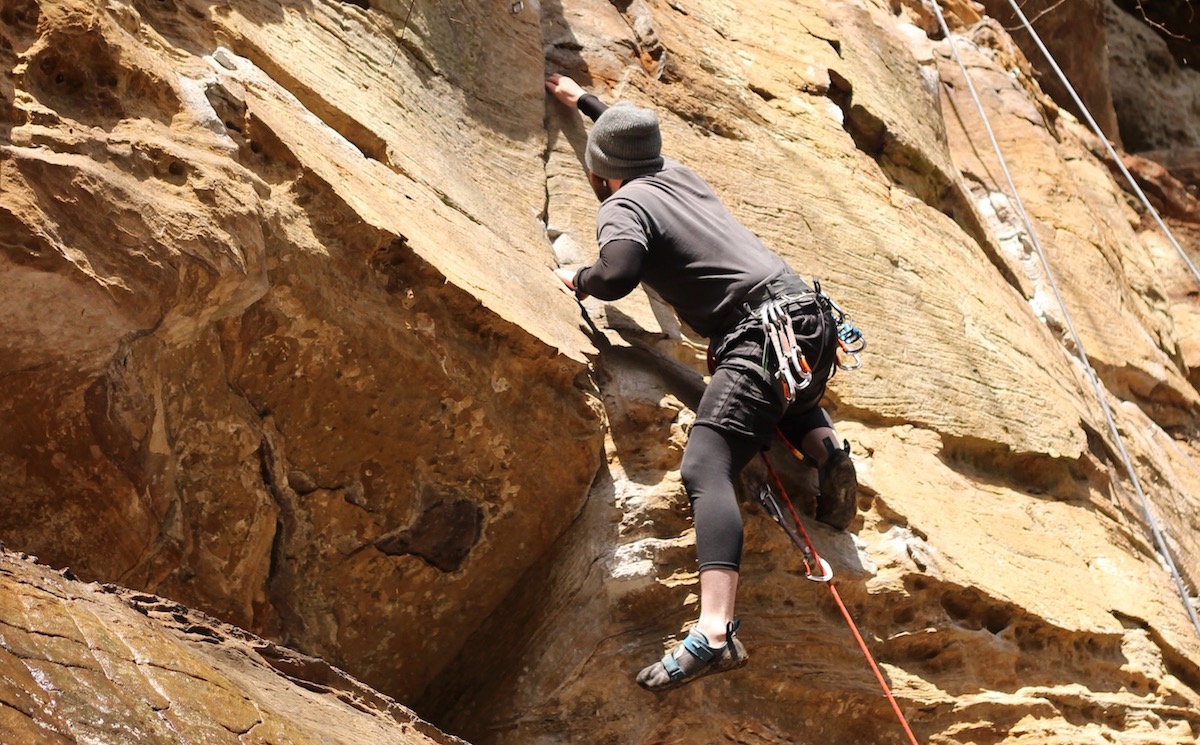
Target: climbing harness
{"points": [[812, 563], [792, 372], [772, 314], [1159, 538]]}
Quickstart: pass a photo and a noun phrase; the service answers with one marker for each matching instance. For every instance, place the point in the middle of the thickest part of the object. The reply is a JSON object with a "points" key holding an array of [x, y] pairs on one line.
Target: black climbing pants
{"points": [[711, 463], [736, 418]]}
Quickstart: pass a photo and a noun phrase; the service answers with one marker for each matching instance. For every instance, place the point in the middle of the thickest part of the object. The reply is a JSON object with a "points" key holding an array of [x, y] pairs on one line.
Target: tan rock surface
{"points": [[85, 663], [281, 341], [236, 228]]}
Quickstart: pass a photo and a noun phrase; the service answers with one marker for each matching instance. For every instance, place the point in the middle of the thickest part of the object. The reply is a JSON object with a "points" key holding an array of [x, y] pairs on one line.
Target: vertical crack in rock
{"points": [[280, 571]]}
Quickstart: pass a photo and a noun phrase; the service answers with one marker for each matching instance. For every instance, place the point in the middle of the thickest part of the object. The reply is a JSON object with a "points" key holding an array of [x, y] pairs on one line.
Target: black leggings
{"points": [[737, 416], [711, 463]]}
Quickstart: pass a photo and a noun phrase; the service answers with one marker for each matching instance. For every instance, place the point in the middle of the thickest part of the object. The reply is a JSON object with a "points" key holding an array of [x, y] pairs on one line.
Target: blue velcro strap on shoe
{"points": [[672, 667], [697, 643]]}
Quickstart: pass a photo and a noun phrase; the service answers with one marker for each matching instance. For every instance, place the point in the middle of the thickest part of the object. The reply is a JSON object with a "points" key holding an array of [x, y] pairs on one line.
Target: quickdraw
{"points": [[850, 338], [794, 373], [812, 561]]}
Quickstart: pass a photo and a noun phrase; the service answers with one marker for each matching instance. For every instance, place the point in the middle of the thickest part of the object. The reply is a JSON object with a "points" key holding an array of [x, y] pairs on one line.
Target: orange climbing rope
{"points": [[811, 559]]}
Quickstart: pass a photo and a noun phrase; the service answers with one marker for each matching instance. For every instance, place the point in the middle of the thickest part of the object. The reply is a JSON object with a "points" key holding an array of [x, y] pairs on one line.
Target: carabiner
{"points": [[857, 360], [826, 571]]}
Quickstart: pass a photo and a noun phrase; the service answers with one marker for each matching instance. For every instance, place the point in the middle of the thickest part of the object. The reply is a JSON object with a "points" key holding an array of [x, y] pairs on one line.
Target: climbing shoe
{"points": [[693, 659], [837, 493]]}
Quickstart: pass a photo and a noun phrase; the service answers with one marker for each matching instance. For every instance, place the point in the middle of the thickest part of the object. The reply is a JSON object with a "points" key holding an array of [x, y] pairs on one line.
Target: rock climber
{"points": [[660, 224]]}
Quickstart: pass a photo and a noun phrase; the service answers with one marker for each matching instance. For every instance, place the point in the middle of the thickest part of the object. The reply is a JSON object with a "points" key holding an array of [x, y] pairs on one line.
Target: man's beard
{"points": [[600, 186]]}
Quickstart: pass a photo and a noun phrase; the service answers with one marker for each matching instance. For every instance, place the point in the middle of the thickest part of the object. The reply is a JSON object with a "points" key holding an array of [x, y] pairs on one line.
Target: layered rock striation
{"points": [[281, 342], [91, 663]]}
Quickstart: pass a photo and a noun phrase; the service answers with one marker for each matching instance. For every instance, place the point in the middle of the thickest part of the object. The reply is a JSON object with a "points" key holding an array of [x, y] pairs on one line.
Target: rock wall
{"points": [[281, 342], [85, 663], [260, 393], [1157, 99], [1077, 38]]}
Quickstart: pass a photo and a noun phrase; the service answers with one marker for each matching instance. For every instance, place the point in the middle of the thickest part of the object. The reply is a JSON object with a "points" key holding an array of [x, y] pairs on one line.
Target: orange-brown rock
{"points": [[282, 342], [1076, 36], [263, 380], [90, 663]]}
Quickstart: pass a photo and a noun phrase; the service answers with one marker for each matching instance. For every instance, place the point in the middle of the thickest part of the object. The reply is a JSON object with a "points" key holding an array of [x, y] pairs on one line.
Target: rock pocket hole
{"points": [[78, 74], [176, 172]]}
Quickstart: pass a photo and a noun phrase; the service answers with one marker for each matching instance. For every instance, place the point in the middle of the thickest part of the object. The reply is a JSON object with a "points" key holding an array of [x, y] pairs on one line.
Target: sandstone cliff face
{"points": [[84, 663], [281, 342]]}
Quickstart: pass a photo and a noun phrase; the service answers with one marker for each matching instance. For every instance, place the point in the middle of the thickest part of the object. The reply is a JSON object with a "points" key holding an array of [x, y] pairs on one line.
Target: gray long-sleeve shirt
{"points": [[689, 248]]}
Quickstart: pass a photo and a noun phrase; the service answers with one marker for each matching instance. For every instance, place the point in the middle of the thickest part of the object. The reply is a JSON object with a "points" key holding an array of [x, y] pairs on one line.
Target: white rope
{"points": [[1108, 145], [1159, 539]]}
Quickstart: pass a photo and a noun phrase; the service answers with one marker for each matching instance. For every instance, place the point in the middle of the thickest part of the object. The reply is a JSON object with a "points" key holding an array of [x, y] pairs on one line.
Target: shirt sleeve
{"points": [[620, 219], [591, 106], [615, 274]]}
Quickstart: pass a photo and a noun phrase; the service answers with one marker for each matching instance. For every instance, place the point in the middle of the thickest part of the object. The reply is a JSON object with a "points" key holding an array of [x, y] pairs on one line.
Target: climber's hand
{"points": [[568, 278], [565, 89]]}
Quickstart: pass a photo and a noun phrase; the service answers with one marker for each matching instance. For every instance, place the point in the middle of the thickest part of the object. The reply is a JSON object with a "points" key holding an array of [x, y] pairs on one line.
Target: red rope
{"points": [[817, 560], [871, 660], [862, 645]]}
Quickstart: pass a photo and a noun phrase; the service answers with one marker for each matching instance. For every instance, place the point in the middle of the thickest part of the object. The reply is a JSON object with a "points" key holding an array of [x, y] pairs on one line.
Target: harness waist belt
{"points": [[787, 287]]}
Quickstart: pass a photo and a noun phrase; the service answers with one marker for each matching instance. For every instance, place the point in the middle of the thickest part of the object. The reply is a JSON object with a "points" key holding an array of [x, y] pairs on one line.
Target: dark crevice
{"points": [[762, 93], [447, 200], [546, 151], [280, 573], [1034, 474], [242, 732], [18, 709]]}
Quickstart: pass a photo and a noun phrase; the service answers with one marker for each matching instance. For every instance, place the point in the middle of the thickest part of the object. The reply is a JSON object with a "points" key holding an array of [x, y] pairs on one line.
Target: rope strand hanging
{"points": [[799, 536], [1159, 538], [1112, 153]]}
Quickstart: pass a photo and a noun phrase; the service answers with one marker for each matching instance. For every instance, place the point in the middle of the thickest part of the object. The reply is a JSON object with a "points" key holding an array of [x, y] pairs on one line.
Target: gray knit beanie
{"points": [[624, 142]]}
